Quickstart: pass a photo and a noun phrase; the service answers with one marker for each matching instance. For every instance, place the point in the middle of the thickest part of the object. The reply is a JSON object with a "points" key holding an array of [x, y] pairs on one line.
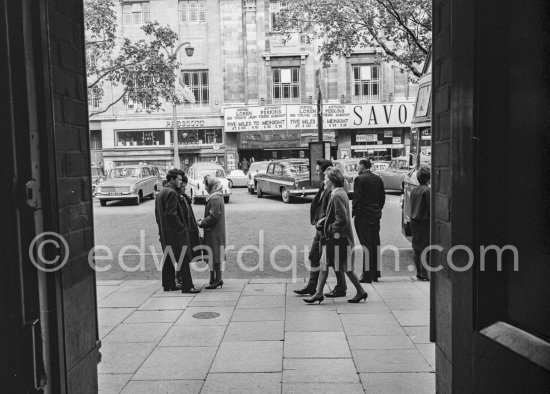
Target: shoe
{"points": [[192, 290], [357, 299], [215, 285], [305, 290], [335, 294], [314, 299], [173, 288], [422, 278], [365, 279]]}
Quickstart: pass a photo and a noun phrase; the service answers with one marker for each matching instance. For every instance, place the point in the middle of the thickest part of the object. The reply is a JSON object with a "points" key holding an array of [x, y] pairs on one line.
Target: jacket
{"points": [[214, 226], [170, 219], [338, 220], [318, 207], [369, 197], [420, 203]]}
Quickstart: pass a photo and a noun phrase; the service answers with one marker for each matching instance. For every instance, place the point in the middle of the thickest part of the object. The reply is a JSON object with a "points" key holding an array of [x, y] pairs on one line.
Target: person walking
{"points": [[317, 211], [369, 197], [245, 165], [172, 230], [337, 236], [420, 220], [214, 230]]}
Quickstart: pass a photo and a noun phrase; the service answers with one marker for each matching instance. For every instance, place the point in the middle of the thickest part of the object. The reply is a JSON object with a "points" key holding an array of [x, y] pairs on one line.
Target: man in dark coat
{"points": [[173, 233], [368, 200], [318, 211]]}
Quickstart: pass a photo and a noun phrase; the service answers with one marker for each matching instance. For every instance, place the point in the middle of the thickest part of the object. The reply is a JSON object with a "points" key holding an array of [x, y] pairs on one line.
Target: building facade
{"points": [[255, 93]]}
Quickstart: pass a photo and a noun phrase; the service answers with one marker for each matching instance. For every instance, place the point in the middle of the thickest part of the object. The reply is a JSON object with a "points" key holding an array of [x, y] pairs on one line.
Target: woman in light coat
{"points": [[214, 230], [337, 236]]}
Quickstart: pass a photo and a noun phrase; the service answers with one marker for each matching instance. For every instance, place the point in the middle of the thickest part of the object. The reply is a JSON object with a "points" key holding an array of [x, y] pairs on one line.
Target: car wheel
{"points": [[230, 183], [259, 192], [138, 198], [285, 194], [103, 203], [153, 195], [226, 199]]}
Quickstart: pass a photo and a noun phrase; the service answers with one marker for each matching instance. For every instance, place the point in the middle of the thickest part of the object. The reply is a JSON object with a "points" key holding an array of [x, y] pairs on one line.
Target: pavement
{"points": [[257, 336]]}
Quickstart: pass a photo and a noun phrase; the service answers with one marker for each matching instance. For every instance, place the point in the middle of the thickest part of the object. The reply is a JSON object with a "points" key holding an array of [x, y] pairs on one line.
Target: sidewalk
{"points": [[257, 336]]}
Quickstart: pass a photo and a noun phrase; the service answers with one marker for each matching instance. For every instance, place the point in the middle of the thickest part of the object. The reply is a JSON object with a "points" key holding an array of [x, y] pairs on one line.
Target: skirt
{"points": [[336, 254]]}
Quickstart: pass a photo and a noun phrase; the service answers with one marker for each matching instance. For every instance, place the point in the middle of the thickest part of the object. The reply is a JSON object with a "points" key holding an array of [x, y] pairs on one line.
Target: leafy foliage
{"points": [[400, 29], [144, 69]]}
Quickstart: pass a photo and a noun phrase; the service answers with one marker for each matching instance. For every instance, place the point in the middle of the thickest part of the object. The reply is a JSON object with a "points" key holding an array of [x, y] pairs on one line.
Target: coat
{"points": [[214, 226], [318, 207], [170, 218], [338, 232], [369, 197], [193, 236]]}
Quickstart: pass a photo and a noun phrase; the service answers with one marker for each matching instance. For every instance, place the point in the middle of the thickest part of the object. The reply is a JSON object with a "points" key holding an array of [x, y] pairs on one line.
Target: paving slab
{"points": [[301, 370], [296, 303], [153, 317], [428, 351], [104, 330], [413, 317], [139, 282], [238, 383], [166, 303], [199, 302], [363, 307], [316, 345], [254, 289], [163, 387], [371, 324], [368, 342], [121, 358], [273, 280], [411, 292], [415, 303], [112, 383], [311, 321], [257, 314], [189, 336], [393, 360], [109, 282], [255, 331], [187, 317], [112, 316], [261, 301], [103, 291], [138, 332], [252, 356], [322, 388], [418, 334], [398, 383], [176, 363]]}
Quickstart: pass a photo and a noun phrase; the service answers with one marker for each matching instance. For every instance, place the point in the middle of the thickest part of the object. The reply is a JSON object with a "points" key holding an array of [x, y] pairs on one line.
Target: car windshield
{"points": [[259, 167], [125, 172], [295, 169], [352, 167], [236, 173], [213, 172]]}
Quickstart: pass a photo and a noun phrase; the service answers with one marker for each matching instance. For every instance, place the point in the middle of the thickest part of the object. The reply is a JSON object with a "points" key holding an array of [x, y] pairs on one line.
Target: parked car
{"points": [[256, 167], [196, 174], [237, 178], [349, 168], [287, 178], [129, 183], [98, 176], [380, 165], [394, 175]]}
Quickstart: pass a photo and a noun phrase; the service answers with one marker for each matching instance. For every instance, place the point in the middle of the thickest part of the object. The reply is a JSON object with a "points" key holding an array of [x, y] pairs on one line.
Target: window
{"points": [[140, 138], [275, 6], [250, 3], [400, 83], [278, 170], [198, 82], [135, 13], [140, 85], [286, 85], [94, 98], [199, 136], [366, 83], [192, 11]]}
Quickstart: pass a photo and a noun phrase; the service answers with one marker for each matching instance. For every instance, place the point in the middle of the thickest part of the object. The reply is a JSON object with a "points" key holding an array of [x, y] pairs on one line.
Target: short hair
{"points": [[423, 175], [365, 163], [323, 164], [335, 176], [173, 174]]}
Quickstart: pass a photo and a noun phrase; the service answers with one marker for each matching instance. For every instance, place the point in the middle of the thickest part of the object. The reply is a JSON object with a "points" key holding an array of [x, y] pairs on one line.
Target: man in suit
{"points": [[173, 233], [318, 211], [368, 200]]}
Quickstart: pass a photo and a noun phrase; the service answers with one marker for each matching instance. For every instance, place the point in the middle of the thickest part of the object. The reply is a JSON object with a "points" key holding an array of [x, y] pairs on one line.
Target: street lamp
{"points": [[189, 50]]}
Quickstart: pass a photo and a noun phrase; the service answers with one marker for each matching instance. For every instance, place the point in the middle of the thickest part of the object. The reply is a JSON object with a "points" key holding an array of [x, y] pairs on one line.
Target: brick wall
{"points": [[74, 191]]}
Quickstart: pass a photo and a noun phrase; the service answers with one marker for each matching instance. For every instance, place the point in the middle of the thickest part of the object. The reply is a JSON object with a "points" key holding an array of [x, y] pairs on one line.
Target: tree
{"points": [[142, 68], [401, 29]]}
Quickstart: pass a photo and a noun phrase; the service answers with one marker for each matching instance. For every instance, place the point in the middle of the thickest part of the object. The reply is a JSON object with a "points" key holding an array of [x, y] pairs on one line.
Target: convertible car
{"points": [[287, 178]]}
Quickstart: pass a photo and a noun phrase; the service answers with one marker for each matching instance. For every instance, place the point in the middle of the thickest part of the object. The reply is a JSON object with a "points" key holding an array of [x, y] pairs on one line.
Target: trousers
{"points": [[315, 254], [369, 238]]}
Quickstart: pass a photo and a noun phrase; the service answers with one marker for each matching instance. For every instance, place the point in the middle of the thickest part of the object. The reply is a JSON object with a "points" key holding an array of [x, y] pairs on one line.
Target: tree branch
{"points": [[110, 105]]}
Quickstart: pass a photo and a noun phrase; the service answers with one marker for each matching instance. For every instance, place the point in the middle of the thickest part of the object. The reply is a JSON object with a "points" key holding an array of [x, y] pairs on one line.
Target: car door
{"points": [[146, 181], [389, 175]]}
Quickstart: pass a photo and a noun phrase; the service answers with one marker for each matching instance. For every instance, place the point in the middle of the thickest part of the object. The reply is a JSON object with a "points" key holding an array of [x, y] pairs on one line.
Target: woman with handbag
{"points": [[214, 230], [337, 237]]}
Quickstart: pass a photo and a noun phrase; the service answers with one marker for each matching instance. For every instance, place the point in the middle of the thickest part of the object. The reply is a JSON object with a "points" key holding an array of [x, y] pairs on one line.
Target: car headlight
{"points": [[131, 189], [98, 189]]}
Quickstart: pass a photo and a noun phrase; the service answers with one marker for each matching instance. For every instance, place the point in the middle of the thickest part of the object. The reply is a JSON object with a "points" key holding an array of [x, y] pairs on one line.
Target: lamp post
{"points": [[173, 55]]}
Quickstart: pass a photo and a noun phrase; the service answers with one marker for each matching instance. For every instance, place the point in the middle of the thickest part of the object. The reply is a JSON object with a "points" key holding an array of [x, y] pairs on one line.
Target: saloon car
{"points": [[197, 172], [349, 168], [129, 183], [237, 178], [98, 176], [256, 167], [380, 165], [287, 178], [394, 175]]}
